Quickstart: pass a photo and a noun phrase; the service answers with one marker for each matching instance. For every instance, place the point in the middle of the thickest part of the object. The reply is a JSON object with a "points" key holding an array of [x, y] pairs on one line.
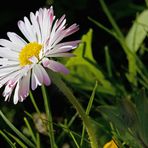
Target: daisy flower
{"points": [[23, 62]]}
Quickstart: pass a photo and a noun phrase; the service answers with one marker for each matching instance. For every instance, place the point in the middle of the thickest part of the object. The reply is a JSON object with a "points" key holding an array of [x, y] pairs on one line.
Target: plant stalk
{"points": [[90, 127]]}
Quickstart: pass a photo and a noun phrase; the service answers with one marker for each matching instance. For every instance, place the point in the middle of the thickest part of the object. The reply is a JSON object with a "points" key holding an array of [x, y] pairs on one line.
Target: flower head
{"points": [[23, 62]]}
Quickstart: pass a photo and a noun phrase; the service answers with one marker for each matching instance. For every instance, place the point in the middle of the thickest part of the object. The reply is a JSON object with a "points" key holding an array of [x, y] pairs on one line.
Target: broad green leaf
{"points": [[134, 39], [138, 32], [84, 71], [124, 119], [111, 113]]}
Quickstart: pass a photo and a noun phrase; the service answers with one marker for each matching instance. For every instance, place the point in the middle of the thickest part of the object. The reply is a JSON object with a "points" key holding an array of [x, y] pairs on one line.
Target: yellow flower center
{"points": [[30, 50]]}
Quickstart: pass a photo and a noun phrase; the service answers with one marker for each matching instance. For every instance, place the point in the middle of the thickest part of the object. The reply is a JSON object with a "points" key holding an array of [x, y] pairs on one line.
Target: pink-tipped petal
{"points": [[33, 81], [72, 29], [24, 87], [63, 47], [8, 90], [37, 78], [38, 74], [61, 55], [55, 66], [60, 21], [46, 79]]}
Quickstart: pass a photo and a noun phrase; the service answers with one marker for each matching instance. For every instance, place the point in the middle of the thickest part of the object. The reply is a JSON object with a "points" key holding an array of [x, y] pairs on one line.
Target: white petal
{"points": [[8, 44], [45, 19], [57, 37], [8, 76], [7, 53], [4, 70], [17, 40], [36, 27], [29, 29], [53, 33], [46, 26], [16, 94], [6, 62], [23, 29]]}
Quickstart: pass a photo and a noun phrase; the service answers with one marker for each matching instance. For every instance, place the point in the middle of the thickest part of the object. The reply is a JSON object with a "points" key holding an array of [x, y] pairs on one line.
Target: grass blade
{"points": [[25, 139], [17, 140], [8, 139], [30, 130]]}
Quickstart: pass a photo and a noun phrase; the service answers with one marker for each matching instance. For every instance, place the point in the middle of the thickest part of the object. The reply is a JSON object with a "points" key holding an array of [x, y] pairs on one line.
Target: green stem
{"points": [[8, 139], [108, 62], [110, 18], [30, 130], [146, 2], [87, 121], [34, 103], [38, 140], [68, 125], [89, 106], [49, 116]]}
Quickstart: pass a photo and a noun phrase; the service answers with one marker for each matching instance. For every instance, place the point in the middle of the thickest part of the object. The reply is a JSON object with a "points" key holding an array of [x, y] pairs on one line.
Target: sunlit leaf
{"points": [[84, 71], [134, 39], [138, 32]]}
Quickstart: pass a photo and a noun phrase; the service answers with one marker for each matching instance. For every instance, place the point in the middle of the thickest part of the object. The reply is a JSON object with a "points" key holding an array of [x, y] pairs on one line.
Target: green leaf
{"points": [[112, 114], [133, 40], [124, 119], [123, 114], [84, 69], [138, 32]]}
